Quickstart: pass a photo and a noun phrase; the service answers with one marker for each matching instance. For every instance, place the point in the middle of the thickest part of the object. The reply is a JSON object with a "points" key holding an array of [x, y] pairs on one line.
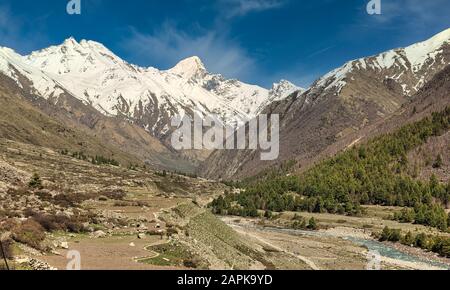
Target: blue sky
{"points": [[258, 41]]}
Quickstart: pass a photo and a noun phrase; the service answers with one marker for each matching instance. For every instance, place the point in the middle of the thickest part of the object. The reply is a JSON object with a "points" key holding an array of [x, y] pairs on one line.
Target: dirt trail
{"points": [[147, 248]]}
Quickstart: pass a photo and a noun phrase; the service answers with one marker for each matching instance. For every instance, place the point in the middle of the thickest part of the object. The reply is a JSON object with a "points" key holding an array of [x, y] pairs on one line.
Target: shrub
{"points": [[47, 222], [52, 223], [390, 235], [7, 225], [312, 225], [171, 231], [7, 250], [30, 233], [438, 162], [421, 241], [436, 244], [445, 250], [299, 225], [35, 182], [405, 216], [192, 263], [117, 194], [408, 239]]}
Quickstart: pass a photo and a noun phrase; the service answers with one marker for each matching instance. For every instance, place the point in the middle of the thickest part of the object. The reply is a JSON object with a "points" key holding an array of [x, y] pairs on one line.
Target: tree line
{"points": [[436, 244], [96, 160]]}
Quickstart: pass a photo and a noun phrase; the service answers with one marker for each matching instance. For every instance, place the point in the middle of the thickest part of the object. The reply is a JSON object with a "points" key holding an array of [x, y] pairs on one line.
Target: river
{"points": [[372, 245]]}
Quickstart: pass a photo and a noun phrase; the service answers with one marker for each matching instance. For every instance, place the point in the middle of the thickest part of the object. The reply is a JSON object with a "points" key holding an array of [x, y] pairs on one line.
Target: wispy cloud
{"points": [[220, 52], [13, 33], [320, 51], [235, 8], [168, 45]]}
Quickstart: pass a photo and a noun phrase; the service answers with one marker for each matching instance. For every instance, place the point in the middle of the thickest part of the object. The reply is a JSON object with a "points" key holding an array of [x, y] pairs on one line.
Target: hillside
{"points": [[21, 121], [338, 106], [375, 173]]}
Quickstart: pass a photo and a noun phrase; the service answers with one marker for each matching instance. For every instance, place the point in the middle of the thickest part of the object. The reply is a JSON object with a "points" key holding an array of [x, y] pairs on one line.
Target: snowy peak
{"points": [[74, 57], [409, 67], [283, 89], [70, 42], [189, 68], [417, 54]]}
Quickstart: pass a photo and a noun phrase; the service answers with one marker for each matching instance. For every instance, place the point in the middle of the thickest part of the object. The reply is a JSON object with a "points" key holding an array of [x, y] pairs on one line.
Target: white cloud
{"points": [[242, 7], [221, 54], [168, 45]]}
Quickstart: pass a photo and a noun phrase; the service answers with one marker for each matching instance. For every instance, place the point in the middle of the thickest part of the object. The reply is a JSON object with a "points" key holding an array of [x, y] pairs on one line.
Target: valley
{"points": [[87, 167], [161, 222]]}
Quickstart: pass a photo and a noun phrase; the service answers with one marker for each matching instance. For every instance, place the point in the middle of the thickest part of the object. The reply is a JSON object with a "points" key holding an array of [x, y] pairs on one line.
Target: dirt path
{"points": [[147, 248]]}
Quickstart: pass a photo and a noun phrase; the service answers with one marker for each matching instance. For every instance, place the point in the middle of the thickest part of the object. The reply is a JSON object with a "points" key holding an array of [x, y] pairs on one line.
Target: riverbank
{"points": [[339, 243]]}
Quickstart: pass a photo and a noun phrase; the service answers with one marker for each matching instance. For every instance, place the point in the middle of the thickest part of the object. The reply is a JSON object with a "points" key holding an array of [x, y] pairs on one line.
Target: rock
{"points": [[141, 236], [132, 245], [64, 245], [142, 227], [22, 260], [36, 264], [99, 234]]}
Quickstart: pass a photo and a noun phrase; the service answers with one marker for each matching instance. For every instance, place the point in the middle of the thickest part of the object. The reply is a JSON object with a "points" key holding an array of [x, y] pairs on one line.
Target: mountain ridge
{"points": [[342, 102], [94, 74]]}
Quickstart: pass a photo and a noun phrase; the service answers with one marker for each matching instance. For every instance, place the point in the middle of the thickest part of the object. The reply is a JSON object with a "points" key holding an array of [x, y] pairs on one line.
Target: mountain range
{"points": [[104, 101], [85, 84], [146, 96]]}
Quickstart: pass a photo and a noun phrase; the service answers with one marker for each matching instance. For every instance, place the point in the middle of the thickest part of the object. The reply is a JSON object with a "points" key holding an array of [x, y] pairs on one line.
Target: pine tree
{"points": [[312, 225], [35, 182], [438, 162]]}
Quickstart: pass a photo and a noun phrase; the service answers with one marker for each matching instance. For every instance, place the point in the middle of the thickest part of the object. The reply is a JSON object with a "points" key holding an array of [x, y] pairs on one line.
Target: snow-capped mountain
{"points": [[283, 89], [341, 104], [146, 96], [13, 66], [409, 67]]}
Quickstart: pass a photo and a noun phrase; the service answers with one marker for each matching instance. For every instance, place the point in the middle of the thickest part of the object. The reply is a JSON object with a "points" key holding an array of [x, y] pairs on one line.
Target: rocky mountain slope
{"points": [[23, 121], [340, 104]]}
